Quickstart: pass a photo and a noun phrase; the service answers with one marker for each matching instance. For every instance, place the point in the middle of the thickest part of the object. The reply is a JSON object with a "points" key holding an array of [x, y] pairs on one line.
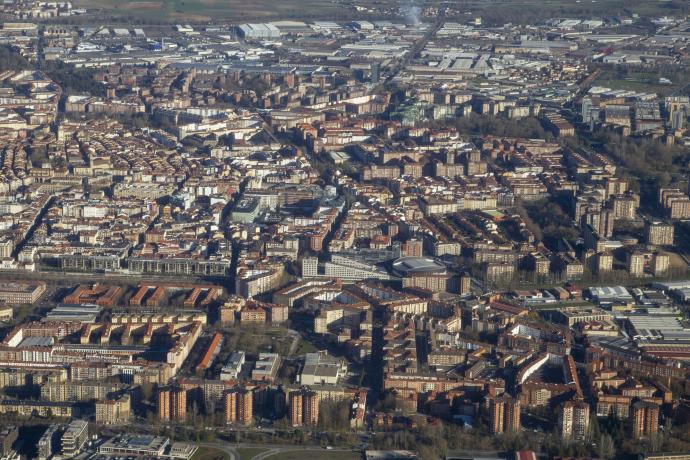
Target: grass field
{"points": [[305, 347], [493, 12], [642, 80], [247, 453], [315, 455], [208, 453], [235, 10]]}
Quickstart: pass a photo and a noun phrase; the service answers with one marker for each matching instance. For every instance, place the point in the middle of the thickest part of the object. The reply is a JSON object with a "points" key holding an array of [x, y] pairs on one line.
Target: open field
{"points": [[209, 453], [494, 12], [232, 10], [531, 11], [247, 453], [643, 81], [315, 455]]}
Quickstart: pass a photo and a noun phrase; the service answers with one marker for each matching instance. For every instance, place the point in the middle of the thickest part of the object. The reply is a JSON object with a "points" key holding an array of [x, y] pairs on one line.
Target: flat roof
{"points": [[37, 342], [19, 286], [656, 322], [408, 265], [610, 292]]}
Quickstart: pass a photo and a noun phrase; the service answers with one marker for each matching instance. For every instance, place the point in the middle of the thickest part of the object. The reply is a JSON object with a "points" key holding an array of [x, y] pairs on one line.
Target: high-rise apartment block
{"points": [[504, 414], [304, 407], [239, 406]]}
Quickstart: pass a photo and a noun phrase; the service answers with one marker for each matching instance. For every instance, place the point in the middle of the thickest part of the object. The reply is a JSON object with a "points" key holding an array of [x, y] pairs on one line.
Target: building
{"points": [[246, 210], [660, 264], [74, 438], [8, 436], [114, 411], [504, 414], [497, 271], [602, 263], [27, 408], [146, 445], [252, 283], [86, 390], [465, 284], [676, 203], [644, 419], [48, 443], [266, 367], [15, 292], [263, 31], [624, 206], [320, 368], [172, 404], [349, 269], [6, 313], [303, 406], [238, 405], [659, 233], [571, 316], [233, 368], [635, 263], [573, 420]]}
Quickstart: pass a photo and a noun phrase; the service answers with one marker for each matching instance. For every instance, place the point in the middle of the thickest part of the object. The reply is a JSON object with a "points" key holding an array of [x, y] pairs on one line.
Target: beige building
{"points": [[659, 234], [21, 291], [573, 420], [660, 264], [114, 411], [497, 271], [624, 207], [635, 263], [603, 263]]}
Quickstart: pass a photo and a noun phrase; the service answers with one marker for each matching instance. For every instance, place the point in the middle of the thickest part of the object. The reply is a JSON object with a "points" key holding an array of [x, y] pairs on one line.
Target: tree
{"points": [[12, 60], [334, 415], [606, 447]]}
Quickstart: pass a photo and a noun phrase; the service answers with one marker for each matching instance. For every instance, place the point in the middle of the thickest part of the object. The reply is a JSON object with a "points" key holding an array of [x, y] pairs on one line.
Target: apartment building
{"points": [[238, 404], [573, 420], [303, 407]]}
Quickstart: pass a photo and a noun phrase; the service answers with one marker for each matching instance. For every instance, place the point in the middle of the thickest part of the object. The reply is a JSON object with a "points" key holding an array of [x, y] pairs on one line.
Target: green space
{"points": [[190, 11], [644, 79], [496, 12], [255, 339], [247, 453], [209, 453], [252, 339], [315, 455], [530, 11], [305, 347]]}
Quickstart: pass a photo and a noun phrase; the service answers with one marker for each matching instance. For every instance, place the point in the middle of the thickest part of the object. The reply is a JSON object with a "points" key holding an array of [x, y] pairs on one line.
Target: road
{"points": [[415, 49]]}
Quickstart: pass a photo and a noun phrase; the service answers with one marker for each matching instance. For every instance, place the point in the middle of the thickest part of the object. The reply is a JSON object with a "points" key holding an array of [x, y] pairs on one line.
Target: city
{"points": [[340, 230]]}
